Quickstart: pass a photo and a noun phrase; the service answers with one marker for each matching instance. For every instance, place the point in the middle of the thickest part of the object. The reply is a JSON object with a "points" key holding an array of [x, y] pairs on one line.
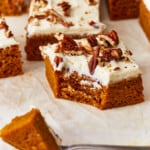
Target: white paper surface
{"points": [[78, 123]]}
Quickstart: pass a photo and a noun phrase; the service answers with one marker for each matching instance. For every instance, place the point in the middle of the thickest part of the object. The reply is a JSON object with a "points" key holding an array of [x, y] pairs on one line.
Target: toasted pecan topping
{"points": [[111, 54], [58, 60], [54, 17], [3, 25], [65, 7], [92, 40], [94, 24], [91, 2], [8, 33], [67, 44], [116, 68], [93, 61], [114, 36], [128, 52]]}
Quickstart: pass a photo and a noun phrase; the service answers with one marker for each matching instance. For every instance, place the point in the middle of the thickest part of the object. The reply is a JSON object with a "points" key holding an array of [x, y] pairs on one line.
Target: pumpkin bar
{"points": [[10, 54], [29, 132], [97, 70], [47, 17]]}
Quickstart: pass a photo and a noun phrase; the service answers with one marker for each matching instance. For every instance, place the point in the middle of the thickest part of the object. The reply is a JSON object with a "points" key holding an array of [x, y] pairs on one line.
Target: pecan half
{"points": [[65, 7], [92, 40], [114, 36], [93, 61], [58, 60]]}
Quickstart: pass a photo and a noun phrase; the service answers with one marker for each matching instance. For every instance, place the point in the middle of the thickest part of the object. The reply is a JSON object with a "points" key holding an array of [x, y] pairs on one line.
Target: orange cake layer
{"points": [[48, 17], [123, 9], [145, 18], [10, 55], [29, 132], [96, 70], [13, 7]]}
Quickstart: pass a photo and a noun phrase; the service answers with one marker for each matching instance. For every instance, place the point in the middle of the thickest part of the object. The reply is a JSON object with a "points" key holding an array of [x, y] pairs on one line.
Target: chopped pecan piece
{"points": [[3, 25], [68, 44], [93, 61], [128, 52], [58, 60], [111, 54], [65, 7], [92, 40], [116, 68], [94, 24], [91, 2], [40, 16], [116, 53], [114, 36], [8, 33], [55, 17]]}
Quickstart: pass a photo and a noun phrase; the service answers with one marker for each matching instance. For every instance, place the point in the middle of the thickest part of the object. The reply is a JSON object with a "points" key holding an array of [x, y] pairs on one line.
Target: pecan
{"points": [[93, 61], [111, 54], [128, 52], [92, 40], [55, 17], [74, 53], [40, 16], [116, 53], [3, 25], [91, 2], [106, 41], [116, 68], [68, 44], [67, 24], [65, 7], [8, 33], [114, 36], [93, 24], [58, 60]]}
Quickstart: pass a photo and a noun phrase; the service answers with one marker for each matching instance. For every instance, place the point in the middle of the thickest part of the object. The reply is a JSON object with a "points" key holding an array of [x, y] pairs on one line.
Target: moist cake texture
{"points": [[29, 132], [96, 70], [10, 55], [73, 18], [145, 16]]}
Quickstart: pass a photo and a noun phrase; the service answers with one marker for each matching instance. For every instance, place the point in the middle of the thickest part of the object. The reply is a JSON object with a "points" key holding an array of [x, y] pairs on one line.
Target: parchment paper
{"points": [[78, 123]]}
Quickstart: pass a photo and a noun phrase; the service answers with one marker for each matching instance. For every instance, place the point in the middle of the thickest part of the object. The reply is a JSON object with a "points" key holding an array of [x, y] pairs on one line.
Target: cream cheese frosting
{"points": [[81, 14], [4, 40], [147, 4], [102, 74]]}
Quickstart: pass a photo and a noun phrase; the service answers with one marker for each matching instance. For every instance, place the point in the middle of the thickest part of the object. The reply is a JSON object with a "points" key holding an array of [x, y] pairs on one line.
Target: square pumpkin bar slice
{"points": [[96, 70], [29, 132], [73, 18], [10, 54]]}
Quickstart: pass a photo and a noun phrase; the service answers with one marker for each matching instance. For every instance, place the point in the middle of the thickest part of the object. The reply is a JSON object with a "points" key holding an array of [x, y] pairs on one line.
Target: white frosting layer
{"points": [[4, 40], [147, 4], [80, 15], [105, 75]]}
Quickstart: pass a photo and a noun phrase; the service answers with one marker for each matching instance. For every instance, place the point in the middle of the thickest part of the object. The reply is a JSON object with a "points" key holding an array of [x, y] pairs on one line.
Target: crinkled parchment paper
{"points": [[78, 123]]}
